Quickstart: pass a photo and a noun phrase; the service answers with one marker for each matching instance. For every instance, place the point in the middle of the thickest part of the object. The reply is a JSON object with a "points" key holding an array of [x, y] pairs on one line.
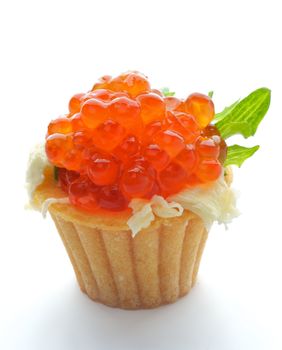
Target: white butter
{"points": [[216, 203], [35, 169], [144, 212], [142, 215]]}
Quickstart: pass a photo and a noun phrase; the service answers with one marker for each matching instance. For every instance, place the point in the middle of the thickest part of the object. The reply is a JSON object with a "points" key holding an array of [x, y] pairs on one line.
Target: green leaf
{"points": [[243, 117], [225, 112], [210, 94], [166, 92], [56, 173], [236, 155]]}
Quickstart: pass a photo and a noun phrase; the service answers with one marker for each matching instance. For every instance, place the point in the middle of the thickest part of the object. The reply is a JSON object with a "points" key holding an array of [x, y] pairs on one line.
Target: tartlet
{"points": [[133, 179]]}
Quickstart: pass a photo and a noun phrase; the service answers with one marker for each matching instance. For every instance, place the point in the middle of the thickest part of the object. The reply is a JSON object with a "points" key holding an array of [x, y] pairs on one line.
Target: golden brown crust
{"points": [[156, 267]]}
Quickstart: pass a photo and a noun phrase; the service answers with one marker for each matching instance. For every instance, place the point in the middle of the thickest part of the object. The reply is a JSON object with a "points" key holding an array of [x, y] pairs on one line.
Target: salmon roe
{"points": [[124, 140]]}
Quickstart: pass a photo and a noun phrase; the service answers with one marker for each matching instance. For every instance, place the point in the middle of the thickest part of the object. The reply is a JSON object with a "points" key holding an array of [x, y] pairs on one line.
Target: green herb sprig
{"points": [[243, 117], [236, 155]]}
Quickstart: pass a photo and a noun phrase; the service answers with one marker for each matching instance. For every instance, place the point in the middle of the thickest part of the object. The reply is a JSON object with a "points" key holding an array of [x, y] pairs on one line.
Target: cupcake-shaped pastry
{"points": [[133, 178]]}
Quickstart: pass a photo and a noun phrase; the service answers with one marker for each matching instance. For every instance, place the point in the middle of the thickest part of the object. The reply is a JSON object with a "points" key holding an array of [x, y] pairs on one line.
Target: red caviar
{"points": [[137, 181], [152, 107], [102, 170], [201, 107], [124, 140]]}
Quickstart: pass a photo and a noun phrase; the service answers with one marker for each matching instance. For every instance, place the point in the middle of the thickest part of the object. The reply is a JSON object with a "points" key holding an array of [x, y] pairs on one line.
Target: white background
{"points": [[51, 50]]}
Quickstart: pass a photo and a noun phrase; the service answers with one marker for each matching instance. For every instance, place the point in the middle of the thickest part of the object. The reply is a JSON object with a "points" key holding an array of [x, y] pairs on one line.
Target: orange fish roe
{"points": [[124, 140]]}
